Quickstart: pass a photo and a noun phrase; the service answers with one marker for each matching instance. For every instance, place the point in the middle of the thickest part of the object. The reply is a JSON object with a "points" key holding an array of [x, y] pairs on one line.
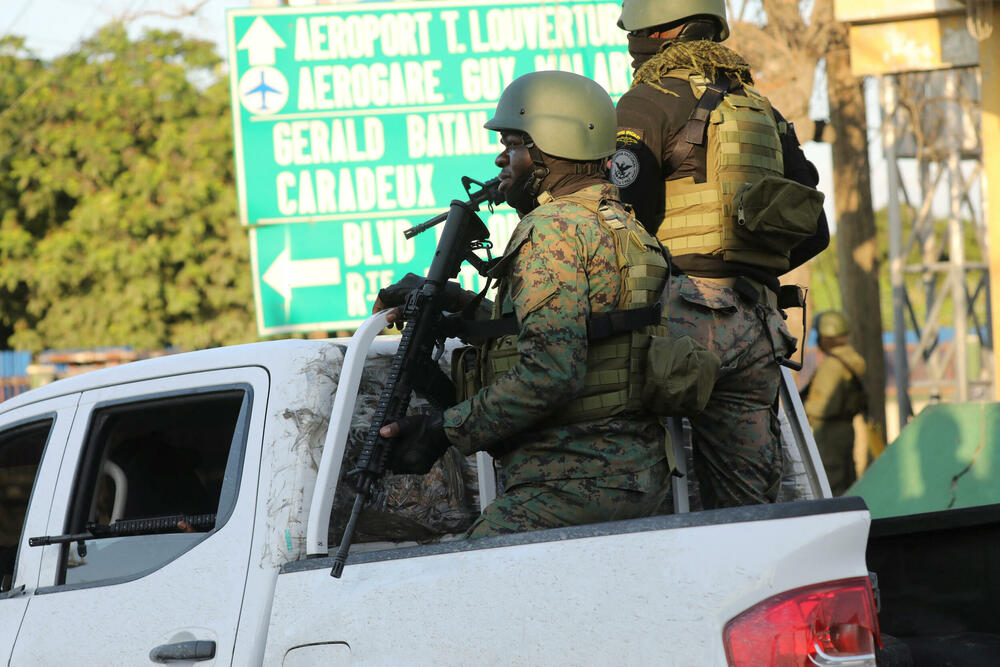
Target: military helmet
{"points": [[831, 323], [566, 115], [639, 14]]}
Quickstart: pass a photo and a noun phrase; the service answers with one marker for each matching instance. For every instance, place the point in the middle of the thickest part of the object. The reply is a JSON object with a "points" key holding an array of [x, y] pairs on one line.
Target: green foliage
{"points": [[118, 220]]}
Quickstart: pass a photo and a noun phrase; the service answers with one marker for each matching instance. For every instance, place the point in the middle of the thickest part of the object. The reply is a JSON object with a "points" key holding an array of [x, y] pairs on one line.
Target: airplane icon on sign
{"points": [[263, 90]]}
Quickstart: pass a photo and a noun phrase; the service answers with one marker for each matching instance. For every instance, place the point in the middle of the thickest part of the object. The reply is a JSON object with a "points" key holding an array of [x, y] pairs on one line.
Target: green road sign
{"points": [[353, 122]]}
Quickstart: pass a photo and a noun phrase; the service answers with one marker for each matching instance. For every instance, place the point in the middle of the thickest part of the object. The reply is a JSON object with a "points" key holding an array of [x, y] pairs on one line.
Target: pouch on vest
{"points": [[680, 375], [465, 372], [776, 213]]}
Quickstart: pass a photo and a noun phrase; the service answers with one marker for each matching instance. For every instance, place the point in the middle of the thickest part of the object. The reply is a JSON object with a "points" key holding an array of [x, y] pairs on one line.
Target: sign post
{"points": [[354, 122]]}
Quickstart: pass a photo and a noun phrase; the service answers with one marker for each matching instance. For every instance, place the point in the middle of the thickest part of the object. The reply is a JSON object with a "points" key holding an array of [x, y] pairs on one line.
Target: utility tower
{"points": [[936, 61]]}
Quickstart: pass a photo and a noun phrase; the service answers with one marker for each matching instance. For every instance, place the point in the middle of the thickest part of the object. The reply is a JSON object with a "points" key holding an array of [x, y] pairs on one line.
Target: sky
{"points": [[52, 27]]}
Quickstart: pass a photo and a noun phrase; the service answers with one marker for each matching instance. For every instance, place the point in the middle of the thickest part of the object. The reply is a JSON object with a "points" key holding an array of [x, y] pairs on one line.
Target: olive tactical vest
{"points": [[615, 364], [743, 148]]}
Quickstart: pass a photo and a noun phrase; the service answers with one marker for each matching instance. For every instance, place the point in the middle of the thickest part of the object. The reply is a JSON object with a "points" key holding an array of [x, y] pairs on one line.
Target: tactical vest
{"points": [[744, 174], [615, 363]]}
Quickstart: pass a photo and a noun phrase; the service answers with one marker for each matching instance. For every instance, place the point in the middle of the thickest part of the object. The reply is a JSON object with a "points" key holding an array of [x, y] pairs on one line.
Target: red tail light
{"points": [[829, 624]]}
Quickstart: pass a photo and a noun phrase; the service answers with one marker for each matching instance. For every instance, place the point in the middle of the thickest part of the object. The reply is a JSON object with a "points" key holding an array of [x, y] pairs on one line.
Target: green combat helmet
{"points": [[639, 14], [831, 323], [566, 115]]}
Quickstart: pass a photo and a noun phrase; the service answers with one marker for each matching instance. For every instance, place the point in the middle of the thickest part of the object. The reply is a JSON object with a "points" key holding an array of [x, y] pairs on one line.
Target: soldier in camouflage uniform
{"points": [[693, 137], [553, 407], [833, 396]]}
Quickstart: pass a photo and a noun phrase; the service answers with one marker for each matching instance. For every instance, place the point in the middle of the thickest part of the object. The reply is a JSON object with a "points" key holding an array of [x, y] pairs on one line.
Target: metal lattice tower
{"points": [[938, 263]]}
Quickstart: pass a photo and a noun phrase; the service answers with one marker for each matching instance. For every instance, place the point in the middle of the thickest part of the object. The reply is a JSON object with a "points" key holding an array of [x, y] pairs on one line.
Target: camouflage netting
{"points": [[710, 59], [418, 508]]}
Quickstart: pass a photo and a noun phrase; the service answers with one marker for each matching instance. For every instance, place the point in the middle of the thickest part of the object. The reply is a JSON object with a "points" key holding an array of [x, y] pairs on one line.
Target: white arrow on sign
{"points": [[260, 41], [284, 274]]}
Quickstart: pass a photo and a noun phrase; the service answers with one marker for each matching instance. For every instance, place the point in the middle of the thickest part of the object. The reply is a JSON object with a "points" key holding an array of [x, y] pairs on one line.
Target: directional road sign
{"points": [[354, 122]]}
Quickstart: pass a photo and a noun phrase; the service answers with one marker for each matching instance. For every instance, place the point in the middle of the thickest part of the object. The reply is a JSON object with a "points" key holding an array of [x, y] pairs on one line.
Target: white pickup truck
{"points": [[246, 444]]}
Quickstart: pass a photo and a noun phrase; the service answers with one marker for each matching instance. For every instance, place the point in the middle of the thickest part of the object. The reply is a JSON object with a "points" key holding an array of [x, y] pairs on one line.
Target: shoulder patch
{"points": [[624, 168], [628, 136]]}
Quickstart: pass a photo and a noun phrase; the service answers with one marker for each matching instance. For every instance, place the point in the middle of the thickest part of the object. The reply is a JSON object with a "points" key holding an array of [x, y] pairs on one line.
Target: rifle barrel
{"points": [[489, 192]]}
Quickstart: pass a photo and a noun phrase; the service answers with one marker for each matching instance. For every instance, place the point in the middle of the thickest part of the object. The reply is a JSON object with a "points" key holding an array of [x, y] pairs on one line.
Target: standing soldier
{"points": [[833, 396], [719, 177], [554, 398]]}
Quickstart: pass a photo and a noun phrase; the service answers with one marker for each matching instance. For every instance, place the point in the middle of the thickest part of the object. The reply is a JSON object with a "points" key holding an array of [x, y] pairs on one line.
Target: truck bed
{"points": [[939, 580], [650, 590]]}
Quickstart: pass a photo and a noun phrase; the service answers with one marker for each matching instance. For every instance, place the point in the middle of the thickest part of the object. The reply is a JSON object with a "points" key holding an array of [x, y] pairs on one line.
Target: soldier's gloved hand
{"points": [[420, 440], [389, 297], [395, 294]]}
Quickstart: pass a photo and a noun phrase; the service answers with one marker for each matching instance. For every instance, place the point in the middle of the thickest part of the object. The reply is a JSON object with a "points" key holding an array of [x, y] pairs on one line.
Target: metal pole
{"points": [[956, 240], [989, 63], [896, 259]]}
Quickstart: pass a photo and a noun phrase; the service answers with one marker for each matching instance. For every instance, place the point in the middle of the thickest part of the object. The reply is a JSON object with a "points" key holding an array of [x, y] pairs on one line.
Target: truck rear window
{"points": [[165, 471]]}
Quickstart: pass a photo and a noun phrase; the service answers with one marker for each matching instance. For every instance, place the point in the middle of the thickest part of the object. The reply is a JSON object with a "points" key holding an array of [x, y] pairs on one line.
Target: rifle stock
{"points": [[413, 367]]}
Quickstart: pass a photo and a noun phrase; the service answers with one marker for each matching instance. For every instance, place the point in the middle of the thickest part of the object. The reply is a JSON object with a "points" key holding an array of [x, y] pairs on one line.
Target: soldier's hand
{"points": [[419, 441], [396, 293], [185, 527], [452, 300]]}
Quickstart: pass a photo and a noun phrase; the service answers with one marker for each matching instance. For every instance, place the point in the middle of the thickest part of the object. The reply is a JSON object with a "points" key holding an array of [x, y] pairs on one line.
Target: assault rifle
{"points": [[414, 367], [127, 528]]}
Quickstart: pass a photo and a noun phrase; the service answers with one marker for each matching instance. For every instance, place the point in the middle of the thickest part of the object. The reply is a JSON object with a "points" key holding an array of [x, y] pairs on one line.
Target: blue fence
{"points": [[14, 373]]}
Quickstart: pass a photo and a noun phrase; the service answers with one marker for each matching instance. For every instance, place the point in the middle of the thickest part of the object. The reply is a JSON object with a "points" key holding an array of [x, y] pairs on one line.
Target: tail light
{"points": [[834, 623]]}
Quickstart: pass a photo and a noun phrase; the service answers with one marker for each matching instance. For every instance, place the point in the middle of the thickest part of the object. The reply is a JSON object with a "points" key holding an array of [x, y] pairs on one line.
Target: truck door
{"points": [[32, 439], [183, 446]]}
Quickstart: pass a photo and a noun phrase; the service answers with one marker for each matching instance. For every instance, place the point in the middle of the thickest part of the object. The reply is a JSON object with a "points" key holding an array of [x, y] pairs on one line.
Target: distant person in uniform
{"points": [[833, 396]]}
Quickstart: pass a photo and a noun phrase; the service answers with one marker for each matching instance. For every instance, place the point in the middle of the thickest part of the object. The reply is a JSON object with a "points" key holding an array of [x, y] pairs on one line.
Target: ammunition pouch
{"points": [[465, 371], [679, 377], [776, 214]]}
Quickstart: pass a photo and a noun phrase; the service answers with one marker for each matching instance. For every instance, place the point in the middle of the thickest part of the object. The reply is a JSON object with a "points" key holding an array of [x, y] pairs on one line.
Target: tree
{"points": [[118, 217], [785, 41]]}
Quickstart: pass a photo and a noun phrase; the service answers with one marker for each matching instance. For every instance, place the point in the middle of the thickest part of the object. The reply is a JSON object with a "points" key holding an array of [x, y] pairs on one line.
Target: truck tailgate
{"points": [[657, 590]]}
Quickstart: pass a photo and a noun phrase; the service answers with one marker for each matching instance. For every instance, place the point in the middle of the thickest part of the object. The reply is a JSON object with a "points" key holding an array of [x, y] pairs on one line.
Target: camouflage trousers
{"points": [[835, 442], [737, 437], [567, 502]]}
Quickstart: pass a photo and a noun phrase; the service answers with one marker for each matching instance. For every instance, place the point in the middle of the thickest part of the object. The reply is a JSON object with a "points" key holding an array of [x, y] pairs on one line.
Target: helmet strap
{"points": [[538, 172]]}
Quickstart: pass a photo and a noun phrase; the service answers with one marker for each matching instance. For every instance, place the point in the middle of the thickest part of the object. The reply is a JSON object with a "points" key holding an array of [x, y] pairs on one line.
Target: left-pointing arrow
{"points": [[284, 274], [260, 41]]}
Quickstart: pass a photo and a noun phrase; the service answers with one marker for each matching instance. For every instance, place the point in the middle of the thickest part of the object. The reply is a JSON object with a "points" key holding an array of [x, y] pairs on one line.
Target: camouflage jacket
{"points": [[559, 268], [833, 393]]}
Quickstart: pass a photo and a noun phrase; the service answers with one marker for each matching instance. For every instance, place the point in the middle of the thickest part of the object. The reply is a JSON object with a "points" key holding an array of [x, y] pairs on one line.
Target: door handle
{"points": [[189, 651]]}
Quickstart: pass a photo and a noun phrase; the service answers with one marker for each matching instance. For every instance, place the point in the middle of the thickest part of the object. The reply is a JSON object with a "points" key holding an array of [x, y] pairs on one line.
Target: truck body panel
{"points": [[657, 590]]}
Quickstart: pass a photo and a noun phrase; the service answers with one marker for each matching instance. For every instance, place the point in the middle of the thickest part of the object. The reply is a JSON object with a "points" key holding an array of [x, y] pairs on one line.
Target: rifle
{"points": [[414, 366], [127, 528]]}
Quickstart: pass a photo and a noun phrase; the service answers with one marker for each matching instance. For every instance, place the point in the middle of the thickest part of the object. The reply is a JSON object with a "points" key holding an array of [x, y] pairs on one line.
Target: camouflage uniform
{"points": [[736, 437], [832, 398], [738, 441], [560, 268]]}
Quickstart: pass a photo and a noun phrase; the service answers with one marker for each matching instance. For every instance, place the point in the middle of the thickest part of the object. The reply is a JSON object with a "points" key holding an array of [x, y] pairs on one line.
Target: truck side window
{"points": [[175, 459], [20, 453]]}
